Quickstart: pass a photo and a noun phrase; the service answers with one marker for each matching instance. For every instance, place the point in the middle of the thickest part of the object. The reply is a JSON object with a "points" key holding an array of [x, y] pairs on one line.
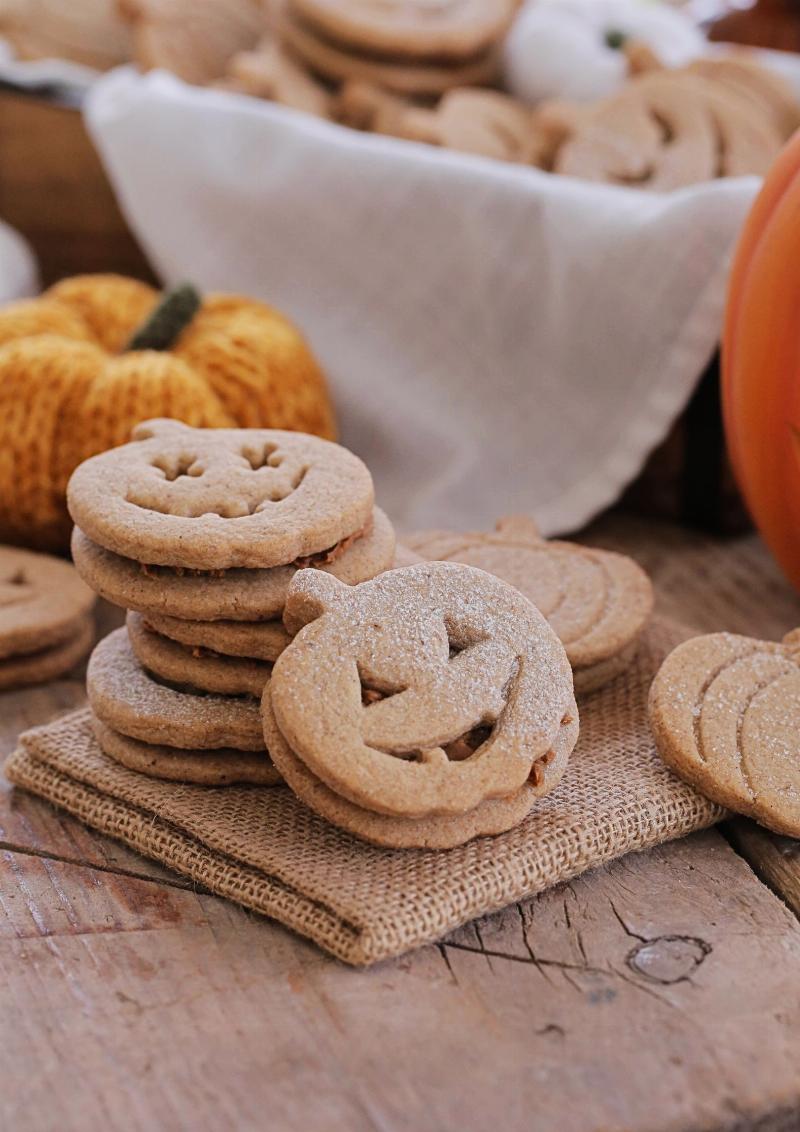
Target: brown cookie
{"points": [[235, 595], [268, 72], [404, 556], [222, 767], [216, 499], [125, 698], [43, 602], [338, 64], [493, 816], [49, 663], [597, 602], [670, 129], [193, 39], [258, 640], [482, 122], [186, 667], [424, 692], [725, 714], [419, 29], [762, 87]]}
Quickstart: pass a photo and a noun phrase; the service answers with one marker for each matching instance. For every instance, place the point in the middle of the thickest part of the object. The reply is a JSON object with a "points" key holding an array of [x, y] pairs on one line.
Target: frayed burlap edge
{"points": [[356, 944]]}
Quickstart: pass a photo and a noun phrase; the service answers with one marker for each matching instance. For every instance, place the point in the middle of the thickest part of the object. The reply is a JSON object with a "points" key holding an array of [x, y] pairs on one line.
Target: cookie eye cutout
{"points": [[15, 588], [177, 466]]}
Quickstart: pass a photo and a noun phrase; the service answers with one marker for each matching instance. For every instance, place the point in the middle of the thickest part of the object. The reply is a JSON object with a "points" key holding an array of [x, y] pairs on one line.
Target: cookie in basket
{"points": [[417, 29], [336, 64], [195, 39], [596, 601], [427, 706], [270, 72], [668, 130], [725, 714], [46, 624], [483, 122]]}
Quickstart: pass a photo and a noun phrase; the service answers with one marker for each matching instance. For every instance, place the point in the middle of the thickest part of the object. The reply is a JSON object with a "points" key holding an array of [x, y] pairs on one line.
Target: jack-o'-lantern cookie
{"points": [[597, 601], [222, 767], [469, 120], [43, 602], [423, 693], [725, 714], [428, 78], [215, 499], [184, 666], [667, 130], [419, 29], [257, 640], [268, 72], [124, 697], [240, 594]]}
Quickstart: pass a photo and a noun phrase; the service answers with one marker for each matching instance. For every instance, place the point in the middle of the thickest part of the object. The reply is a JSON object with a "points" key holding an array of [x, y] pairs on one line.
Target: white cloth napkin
{"points": [[497, 338], [19, 276]]}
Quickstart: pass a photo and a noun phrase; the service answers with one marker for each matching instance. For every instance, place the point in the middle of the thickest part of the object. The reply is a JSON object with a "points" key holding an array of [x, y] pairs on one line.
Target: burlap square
{"points": [[263, 848]]}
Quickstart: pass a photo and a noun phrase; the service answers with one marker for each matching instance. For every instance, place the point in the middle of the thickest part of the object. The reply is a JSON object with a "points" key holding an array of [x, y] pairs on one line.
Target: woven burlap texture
{"points": [[263, 848]]}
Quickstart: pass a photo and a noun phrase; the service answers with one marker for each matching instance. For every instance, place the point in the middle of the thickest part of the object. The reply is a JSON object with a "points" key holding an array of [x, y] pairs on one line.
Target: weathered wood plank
{"points": [[656, 994], [775, 859]]}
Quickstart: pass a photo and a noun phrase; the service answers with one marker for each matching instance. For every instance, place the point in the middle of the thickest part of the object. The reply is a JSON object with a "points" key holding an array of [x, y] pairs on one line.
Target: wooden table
{"points": [[661, 992]]}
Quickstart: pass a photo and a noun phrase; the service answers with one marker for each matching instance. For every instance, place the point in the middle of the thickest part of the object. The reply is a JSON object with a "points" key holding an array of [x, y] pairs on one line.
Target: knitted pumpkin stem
{"points": [[168, 318]]}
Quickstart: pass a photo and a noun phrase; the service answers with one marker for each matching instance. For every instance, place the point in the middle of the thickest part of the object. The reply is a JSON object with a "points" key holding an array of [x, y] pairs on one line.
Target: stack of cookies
{"points": [[421, 709], [46, 623], [198, 533], [418, 49]]}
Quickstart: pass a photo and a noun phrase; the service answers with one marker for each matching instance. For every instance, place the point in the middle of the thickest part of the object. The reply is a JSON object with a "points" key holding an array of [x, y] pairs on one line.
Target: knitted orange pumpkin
{"points": [[80, 366]]}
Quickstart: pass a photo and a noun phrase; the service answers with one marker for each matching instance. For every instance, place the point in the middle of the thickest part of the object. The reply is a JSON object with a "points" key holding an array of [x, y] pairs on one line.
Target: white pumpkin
{"points": [[564, 48]]}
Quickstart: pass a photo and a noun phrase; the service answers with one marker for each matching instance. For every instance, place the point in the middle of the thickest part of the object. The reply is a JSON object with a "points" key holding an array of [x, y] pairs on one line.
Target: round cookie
{"points": [[179, 664], [597, 602], [235, 595], [258, 640], [421, 29], [488, 818], [725, 714], [219, 498], [125, 698], [425, 691], [223, 767], [337, 64], [43, 602], [49, 663]]}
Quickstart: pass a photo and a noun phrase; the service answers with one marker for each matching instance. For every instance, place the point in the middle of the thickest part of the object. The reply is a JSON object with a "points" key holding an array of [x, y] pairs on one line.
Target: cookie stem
{"points": [[169, 317]]}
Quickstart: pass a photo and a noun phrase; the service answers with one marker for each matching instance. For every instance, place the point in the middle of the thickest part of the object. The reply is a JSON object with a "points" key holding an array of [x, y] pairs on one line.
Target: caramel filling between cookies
{"points": [[319, 558]]}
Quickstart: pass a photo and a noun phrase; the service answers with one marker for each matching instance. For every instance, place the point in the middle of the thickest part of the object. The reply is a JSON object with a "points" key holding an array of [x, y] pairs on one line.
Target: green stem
{"points": [[169, 317]]}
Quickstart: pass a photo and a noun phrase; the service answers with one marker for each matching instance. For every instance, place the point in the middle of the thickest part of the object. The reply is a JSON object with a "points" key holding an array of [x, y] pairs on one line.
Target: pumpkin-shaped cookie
{"points": [[597, 602], [426, 691], [95, 355], [725, 713]]}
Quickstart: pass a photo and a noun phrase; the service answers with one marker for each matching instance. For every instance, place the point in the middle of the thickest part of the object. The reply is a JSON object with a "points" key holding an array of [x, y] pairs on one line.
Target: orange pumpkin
{"points": [[80, 366], [761, 361]]}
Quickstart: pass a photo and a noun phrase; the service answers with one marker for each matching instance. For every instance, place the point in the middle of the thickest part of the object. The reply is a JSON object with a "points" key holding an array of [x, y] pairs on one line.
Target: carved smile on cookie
{"points": [[725, 711], [228, 484], [425, 691], [218, 499]]}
